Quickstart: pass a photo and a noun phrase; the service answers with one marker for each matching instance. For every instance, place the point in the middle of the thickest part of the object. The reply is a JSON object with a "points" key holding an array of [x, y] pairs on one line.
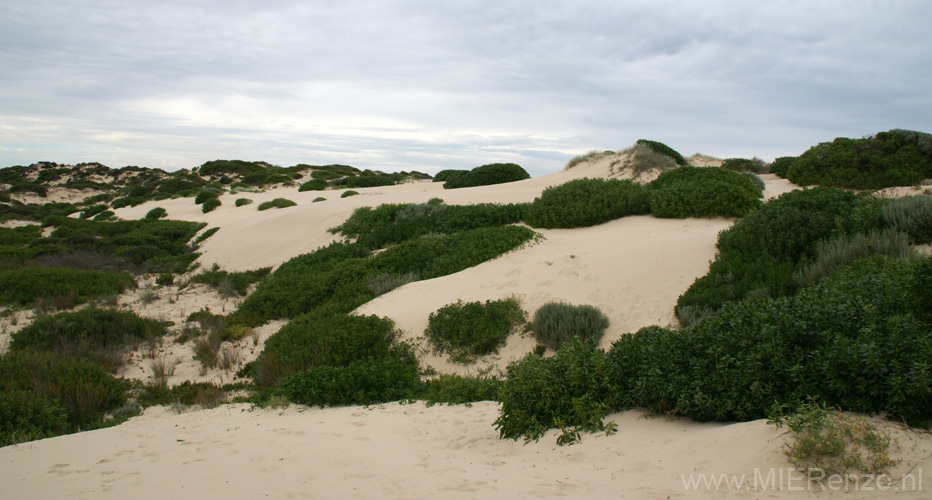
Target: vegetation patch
{"points": [[230, 283], [276, 203], [911, 215], [556, 323], [591, 156], [24, 286], [470, 329], [241, 202], [663, 149], [587, 202], [210, 205], [87, 331], [444, 175], [348, 193], [703, 192], [486, 175]]}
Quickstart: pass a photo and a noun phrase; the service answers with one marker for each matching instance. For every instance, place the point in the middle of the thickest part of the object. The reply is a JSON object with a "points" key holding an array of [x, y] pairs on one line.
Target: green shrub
{"points": [[325, 175], [781, 165], [210, 205], [556, 323], [387, 224], [760, 252], [86, 332], [93, 210], [382, 283], [470, 329], [348, 193], [894, 158], [26, 416], [362, 382], [663, 149], [571, 391], [157, 213], [237, 282], [911, 215], [243, 202], [834, 255], [703, 192], [444, 175], [364, 181], [315, 340], [84, 390], [319, 199], [313, 185], [276, 203], [24, 286], [486, 175], [739, 165], [207, 194], [587, 202], [203, 236], [457, 390]]}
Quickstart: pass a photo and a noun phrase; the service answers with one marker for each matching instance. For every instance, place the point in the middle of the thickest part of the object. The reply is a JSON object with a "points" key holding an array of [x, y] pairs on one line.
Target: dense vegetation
{"points": [[486, 175], [587, 202], [466, 330], [893, 158], [663, 149], [703, 192], [27, 285], [556, 323], [276, 203]]}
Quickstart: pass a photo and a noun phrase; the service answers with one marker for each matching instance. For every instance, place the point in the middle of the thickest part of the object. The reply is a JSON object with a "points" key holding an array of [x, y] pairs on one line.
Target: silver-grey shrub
{"points": [[834, 255], [555, 323], [911, 215]]}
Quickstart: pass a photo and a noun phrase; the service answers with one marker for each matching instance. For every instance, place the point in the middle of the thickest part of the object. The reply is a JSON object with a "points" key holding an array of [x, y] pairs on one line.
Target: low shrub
{"points": [[348, 193], [313, 185], [834, 255], [740, 165], [587, 202], [276, 203], [663, 149], [26, 416], [237, 282], [319, 199], [703, 192], [893, 158], [570, 391], [207, 194], [781, 165], [486, 175], [24, 286], [556, 323], [93, 210], [240, 202], [457, 390], [210, 205], [911, 215], [86, 331], [382, 283], [444, 175], [470, 329], [643, 159], [364, 181], [157, 213]]}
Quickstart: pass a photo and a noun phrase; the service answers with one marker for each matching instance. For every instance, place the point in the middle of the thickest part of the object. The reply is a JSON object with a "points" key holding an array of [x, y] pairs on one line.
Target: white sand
{"points": [[633, 269]]}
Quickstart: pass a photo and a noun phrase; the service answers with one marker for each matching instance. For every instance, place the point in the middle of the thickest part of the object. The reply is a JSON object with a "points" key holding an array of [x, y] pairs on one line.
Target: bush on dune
{"points": [[556, 323], [26, 285], [470, 329], [487, 175], [276, 203], [911, 215], [703, 192], [444, 175], [587, 202], [86, 331]]}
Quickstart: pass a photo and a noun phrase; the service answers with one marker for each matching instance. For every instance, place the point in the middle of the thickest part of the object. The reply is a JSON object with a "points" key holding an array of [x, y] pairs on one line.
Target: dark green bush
{"points": [[24, 286], [486, 175], [781, 165], [210, 205], [556, 323], [83, 389], [323, 340], [703, 192], [663, 149], [156, 213], [313, 185], [911, 215], [26, 416], [362, 382], [894, 158], [348, 193], [444, 175], [739, 165], [571, 391], [587, 202], [319, 199], [470, 329], [93, 210], [759, 253], [207, 194], [364, 181], [325, 175], [834, 255], [242, 202], [387, 224], [86, 331], [276, 203], [457, 390]]}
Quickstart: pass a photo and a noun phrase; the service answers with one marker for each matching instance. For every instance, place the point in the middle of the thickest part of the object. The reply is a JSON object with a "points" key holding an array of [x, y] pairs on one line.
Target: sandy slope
{"points": [[633, 269], [407, 451]]}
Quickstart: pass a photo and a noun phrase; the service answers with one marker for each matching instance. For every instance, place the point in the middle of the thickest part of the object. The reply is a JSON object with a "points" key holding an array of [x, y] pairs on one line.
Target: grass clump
{"points": [[834, 255], [556, 323], [313, 185], [382, 283], [235, 282], [703, 192], [207, 194], [319, 199], [587, 202], [241, 202], [210, 205], [276, 203], [663, 149], [470, 329], [826, 443], [156, 213], [348, 193], [911, 215], [457, 389], [591, 156], [486, 175]]}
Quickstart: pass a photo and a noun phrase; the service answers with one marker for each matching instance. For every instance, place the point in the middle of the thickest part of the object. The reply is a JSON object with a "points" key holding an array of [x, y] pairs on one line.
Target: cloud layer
{"points": [[401, 85]]}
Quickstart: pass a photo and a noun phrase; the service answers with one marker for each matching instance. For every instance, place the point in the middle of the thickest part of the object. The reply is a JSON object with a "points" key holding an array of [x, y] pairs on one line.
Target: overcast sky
{"points": [[427, 85]]}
